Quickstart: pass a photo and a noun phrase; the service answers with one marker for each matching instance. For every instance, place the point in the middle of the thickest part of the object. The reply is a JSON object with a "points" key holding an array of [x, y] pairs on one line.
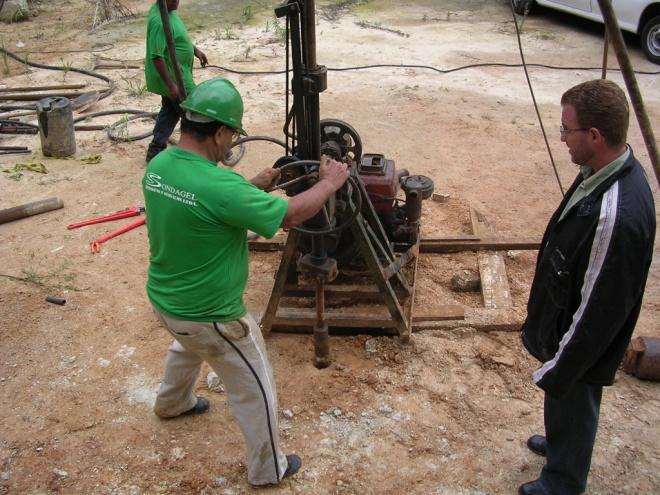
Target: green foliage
{"points": [[280, 31], [66, 67], [135, 86], [247, 13], [5, 60]]}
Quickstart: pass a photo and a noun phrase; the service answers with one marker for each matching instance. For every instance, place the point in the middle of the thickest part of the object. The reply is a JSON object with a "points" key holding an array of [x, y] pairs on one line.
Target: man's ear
{"points": [[595, 134], [217, 136]]}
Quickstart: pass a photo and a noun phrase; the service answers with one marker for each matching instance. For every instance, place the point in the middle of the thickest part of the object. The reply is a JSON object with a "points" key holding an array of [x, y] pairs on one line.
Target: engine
{"points": [[379, 184]]}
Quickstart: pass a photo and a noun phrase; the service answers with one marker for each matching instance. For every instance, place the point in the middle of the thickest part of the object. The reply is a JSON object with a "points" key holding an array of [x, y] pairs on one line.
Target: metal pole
{"points": [[606, 45], [321, 336], [171, 47], [631, 83], [310, 24]]}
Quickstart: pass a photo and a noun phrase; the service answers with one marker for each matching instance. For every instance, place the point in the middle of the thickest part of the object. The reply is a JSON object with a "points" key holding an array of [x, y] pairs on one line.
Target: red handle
{"points": [[95, 245], [128, 212]]}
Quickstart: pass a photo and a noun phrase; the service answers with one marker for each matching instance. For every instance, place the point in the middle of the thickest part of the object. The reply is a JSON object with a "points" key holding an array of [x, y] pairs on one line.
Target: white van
{"points": [[641, 17]]}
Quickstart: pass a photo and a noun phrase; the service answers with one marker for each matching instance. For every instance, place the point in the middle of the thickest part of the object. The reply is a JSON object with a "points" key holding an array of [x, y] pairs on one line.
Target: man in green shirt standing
{"points": [[199, 215], [159, 72]]}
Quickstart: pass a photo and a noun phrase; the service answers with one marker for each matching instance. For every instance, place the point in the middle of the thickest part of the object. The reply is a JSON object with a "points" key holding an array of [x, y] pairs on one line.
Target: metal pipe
{"points": [[631, 83], [321, 336], [606, 46], [310, 23]]}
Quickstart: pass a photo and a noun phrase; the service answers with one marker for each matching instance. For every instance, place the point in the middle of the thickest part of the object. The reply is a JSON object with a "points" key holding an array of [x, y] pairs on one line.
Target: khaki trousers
{"points": [[236, 352]]}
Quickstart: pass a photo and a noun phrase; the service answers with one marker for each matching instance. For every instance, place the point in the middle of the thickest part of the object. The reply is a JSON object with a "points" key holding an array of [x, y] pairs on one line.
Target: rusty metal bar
{"points": [[321, 337], [631, 83]]}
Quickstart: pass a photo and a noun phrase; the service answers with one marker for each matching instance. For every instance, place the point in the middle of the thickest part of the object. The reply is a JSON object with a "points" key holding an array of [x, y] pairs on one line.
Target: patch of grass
{"points": [[247, 13], [226, 33], [61, 277], [66, 67], [5, 61], [336, 8], [378, 25], [135, 86], [280, 31]]}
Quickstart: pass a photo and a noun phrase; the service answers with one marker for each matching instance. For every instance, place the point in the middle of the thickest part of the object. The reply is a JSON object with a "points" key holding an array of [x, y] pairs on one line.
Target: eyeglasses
{"points": [[565, 130]]}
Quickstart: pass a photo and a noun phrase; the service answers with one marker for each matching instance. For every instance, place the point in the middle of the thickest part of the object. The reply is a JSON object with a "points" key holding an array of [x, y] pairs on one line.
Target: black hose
{"points": [[536, 106], [427, 67], [110, 129], [333, 230], [262, 138]]}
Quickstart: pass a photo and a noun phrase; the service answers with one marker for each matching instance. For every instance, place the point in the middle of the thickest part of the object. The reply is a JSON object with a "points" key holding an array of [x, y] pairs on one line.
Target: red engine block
{"points": [[379, 177]]}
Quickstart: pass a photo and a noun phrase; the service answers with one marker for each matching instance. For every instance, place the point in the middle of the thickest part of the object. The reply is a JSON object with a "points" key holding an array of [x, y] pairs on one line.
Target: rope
{"points": [[536, 107]]}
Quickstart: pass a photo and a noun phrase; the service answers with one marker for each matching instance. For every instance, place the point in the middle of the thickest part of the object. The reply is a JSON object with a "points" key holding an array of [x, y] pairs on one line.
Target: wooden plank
{"points": [[333, 317], [481, 319], [439, 244], [494, 281], [21, 89], [341, 317], [39, 96], [442, 313], [291, 290]]}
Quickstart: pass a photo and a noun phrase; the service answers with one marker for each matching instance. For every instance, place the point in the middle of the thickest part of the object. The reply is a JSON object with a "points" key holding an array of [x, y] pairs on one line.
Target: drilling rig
{"points": [[366, 230]]}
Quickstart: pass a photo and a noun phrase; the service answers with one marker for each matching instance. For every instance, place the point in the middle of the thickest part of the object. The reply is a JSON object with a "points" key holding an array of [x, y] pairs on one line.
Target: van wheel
{"points": [[650, 39]]}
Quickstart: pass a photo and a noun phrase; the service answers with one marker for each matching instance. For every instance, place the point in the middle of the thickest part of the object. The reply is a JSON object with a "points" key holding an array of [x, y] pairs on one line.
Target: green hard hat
{"points": [[218, 100]]}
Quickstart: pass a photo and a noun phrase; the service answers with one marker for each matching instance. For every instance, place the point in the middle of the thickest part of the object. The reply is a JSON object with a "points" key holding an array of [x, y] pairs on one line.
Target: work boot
{"points": [[535, 487], [294, 463], [537, 444]]}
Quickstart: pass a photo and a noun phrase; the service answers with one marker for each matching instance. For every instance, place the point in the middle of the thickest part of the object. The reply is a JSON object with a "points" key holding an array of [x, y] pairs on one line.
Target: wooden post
{"points": [[171, 47], [631, 83]]}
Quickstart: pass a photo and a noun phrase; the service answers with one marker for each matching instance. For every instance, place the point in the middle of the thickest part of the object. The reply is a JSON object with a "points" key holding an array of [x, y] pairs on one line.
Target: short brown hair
{"points": [[601, 104]]}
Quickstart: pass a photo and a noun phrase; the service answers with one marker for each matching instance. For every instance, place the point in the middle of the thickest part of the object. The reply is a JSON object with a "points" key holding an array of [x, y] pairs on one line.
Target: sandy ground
{"points": [[447, 414]]}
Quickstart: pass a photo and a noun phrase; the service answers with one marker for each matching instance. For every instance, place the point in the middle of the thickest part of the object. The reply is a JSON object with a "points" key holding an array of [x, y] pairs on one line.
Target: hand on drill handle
{"points": [[266, 179], [332, 171]]}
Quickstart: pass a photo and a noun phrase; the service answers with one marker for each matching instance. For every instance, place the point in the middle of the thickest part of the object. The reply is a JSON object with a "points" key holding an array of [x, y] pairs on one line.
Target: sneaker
{"points": [[294, 463]]}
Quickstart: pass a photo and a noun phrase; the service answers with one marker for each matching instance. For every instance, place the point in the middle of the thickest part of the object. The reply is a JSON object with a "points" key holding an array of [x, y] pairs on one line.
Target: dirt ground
{"points": [[448, 413]]}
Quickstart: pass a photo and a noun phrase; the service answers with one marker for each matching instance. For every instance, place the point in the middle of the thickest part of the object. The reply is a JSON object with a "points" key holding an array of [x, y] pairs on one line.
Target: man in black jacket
{"points": [[589, 282]]}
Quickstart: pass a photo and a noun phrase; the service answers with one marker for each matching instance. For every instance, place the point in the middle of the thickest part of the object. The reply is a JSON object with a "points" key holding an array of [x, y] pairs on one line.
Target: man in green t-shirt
{"points": [[159, 72], [199, 215]]}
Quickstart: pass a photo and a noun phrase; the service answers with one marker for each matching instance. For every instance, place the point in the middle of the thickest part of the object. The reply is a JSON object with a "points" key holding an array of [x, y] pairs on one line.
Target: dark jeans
{"points": [[166, 120], [570, 429]]}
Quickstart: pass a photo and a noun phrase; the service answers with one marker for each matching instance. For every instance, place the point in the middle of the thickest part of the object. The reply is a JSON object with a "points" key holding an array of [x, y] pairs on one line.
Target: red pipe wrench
{"points": [[95, 245]]}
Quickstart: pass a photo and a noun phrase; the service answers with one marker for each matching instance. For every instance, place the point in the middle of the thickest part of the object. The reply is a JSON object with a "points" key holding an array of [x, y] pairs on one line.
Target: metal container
{"points": [[642, 358], [55, 116]]}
